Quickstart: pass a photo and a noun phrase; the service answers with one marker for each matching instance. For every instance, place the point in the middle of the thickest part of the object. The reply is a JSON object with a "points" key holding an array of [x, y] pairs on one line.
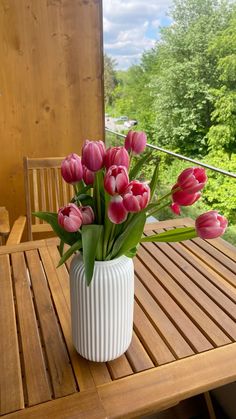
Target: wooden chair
{"points": [[10, 235], [45, 190]]}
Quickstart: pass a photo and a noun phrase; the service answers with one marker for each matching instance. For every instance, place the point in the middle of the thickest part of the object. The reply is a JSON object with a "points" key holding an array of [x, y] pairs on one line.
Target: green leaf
{"points": [[132, 252], [154, 180], [90, 238], [176, 235], [61, 247], [130, 237], [51, 218], [84, 189], [70, 251], [84, 199], [134, 172]]}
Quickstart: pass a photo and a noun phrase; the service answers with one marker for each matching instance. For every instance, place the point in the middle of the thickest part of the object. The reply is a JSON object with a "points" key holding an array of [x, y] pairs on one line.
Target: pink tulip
{"points": [[88, 176], [93, 153], [192, 179], [70, 218], [136, 196], [116, 210], [135, 141], [87, 214], [71, 169], [183, 198], [116, 155], [210, 225], [116, 180], [175, 208]]}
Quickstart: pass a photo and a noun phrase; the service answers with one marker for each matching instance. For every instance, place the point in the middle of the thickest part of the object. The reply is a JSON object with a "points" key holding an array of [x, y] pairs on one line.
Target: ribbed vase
{"points": [[102, 313]]}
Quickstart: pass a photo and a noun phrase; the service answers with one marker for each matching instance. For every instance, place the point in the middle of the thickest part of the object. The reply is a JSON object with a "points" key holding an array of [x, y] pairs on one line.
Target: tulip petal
{"points": [[116, 210]]}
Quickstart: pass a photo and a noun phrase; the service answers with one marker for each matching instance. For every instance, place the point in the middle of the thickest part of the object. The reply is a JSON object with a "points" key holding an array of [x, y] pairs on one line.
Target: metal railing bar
{"points": [[179, 156]]}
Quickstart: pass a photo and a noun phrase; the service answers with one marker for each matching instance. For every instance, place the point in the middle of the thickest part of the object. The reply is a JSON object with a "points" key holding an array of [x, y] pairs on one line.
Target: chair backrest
{"points": [[45, 190]]}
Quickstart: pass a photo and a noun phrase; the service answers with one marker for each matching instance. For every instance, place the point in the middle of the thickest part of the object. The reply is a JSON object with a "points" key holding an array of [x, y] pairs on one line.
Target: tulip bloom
{"points": [[93, 153], [116, 210], [210, 225], [137, 196], [116, 156], [70, 218], [88, 176], [116, 180], [192, 179], [135, 141], [87, 214], [71, 169], [183, 198]]}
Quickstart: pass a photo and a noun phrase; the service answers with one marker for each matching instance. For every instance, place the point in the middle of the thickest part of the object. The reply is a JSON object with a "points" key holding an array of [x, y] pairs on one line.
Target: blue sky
{"points": [[131, 27]]}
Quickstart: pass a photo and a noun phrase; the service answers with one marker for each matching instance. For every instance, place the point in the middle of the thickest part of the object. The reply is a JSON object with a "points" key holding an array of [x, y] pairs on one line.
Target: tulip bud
{"points": [[71, 169], [93, 153], [88, 176], [87, 215], [70, 218], [116, 180], [210, 225], [116, 210], [192, 179], [136, 196], [183, 198], [135, 141], [116, 156]]}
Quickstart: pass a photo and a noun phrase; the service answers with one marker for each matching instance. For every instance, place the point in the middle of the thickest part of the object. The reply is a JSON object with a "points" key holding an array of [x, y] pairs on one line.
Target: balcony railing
{"points": [[179, 156], [115, 138]]}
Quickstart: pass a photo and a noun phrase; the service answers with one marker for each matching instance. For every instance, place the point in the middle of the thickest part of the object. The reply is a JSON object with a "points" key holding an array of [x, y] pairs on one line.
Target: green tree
{"points": [[110, 80], [186, 71], [133, 94], [222, 134]]}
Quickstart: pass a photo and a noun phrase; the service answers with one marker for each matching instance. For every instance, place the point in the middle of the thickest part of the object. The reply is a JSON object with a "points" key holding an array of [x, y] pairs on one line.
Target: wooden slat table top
{"points": [[184, 339]]}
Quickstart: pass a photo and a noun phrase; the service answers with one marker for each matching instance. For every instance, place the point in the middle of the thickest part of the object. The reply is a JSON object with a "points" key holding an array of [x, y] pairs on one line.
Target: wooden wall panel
{"points": [[51, 89]]}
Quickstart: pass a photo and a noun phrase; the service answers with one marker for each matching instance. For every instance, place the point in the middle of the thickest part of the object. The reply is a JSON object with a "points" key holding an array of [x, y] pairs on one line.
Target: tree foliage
{"points": [[186, 72], [222, 133], [183, 94], [110, 79]]}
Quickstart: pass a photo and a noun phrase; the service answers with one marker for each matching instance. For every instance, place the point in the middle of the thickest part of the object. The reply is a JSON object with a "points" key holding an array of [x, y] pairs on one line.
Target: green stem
{"points": [[107, 225], [158, 208], [130, 159], [111, 238], [75, 189], [97, 197], [168, 194]]}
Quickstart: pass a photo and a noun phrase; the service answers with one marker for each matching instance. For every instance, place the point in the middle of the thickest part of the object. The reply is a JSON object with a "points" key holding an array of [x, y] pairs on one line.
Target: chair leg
{"points": [[209, 404]]}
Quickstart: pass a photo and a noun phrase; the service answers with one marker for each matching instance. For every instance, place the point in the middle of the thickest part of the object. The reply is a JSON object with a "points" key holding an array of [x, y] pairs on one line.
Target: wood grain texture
{"points": [[37, 385], [84, 405], [61, 373], [158, 388], [45, 190], [17, 230], [4, 222], [51, 89], [183, 341], [80, 365], [11, 394]]}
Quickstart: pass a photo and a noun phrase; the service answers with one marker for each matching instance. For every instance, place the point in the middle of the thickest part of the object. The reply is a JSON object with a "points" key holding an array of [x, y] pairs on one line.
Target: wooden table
{"points": [[183, 342]]}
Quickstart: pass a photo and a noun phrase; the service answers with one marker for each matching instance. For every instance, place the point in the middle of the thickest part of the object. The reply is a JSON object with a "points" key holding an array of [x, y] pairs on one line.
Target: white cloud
{"points": [[131, 26]]}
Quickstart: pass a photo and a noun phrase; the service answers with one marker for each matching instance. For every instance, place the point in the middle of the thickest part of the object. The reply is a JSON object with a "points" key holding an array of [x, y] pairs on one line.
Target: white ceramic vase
{"points": [[102, 313]]}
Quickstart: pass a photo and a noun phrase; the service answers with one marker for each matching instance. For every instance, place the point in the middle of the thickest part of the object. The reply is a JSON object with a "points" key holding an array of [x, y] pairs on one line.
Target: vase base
{"points": [[102, 357]]}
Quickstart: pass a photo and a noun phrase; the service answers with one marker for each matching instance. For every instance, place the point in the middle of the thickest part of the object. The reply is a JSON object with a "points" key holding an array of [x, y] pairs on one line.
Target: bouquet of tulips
{"points": [[107, 214]]}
